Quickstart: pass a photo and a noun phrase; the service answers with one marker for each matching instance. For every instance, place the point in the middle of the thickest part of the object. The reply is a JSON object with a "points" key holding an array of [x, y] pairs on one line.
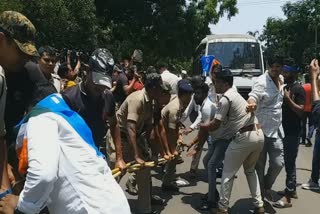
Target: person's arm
{"points": [[42, 168], [221, 115], [314, 74], [196, 122], [132, 138], [163, 136], [256, 94], [296, 107], [116, 137], [128, 88], [4, 178]]}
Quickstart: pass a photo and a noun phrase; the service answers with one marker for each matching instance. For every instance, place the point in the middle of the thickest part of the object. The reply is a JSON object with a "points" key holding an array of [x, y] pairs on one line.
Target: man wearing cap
{"points": [[171, 118], [233, 123], [292, 114], [17, 36], [135, 116], [95, 103]]}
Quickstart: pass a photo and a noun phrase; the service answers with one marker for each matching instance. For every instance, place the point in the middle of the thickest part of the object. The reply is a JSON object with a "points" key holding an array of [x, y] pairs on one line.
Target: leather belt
{"points": [[249, 128]]}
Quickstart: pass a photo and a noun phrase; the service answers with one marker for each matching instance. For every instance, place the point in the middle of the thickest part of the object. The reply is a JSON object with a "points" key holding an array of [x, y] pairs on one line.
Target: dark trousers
{"points": [[307, 119], [217, 152], [290, 148], [316, 159]]}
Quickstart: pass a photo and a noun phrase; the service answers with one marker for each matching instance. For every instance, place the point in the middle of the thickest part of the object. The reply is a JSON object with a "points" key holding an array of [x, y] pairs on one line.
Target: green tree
{"points": [[295, 35]]}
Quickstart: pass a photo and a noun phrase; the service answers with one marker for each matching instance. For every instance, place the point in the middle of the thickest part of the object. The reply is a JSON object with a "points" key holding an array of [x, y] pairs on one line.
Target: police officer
{"points": [[233, 122]]}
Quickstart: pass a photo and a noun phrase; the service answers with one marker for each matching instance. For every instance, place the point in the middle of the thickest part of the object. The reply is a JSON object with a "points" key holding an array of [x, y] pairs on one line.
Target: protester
{"points": [[23, 78], [292, 113], [313, 183], [169, 77], [307, 117], [171, 116], [208, 110], [67, 173], [95, 103], [266, 99], [47, 63]]}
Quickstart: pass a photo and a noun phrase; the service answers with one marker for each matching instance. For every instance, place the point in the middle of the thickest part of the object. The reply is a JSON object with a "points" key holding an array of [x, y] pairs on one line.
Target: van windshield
{"points": [[239, 57]]}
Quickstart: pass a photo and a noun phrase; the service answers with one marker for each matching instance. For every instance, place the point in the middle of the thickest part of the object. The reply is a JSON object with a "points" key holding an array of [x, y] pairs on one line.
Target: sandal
{"points": [[3, 194], [281, 204]]}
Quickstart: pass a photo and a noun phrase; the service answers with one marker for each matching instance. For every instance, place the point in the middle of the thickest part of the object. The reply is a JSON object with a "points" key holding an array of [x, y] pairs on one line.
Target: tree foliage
{"points": [[293, 36], [166, 30]]}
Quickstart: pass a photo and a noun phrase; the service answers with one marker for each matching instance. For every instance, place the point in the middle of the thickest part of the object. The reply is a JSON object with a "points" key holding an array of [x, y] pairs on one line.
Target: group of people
{"points": [[64, 125]]}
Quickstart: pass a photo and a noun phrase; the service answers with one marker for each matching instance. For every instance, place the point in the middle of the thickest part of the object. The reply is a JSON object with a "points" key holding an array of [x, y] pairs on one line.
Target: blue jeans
{"points": [[316, 159], [291, 147], [274, 148], [216, 156]]}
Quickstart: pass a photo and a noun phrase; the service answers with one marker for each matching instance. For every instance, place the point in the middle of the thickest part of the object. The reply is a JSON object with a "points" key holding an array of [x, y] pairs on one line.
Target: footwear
{"points": [[192, 174], [131, 188], [220, 211], [204, 197], [291, 194], [205, 206], [169, 188], [259, 210], [268, 195], [309, 144], [283, 203], [156, 200], [311, 186]]}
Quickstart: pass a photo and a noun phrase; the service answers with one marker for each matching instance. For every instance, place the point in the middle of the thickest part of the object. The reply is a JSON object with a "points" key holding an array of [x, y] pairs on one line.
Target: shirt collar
{"points": [[145, 95]]}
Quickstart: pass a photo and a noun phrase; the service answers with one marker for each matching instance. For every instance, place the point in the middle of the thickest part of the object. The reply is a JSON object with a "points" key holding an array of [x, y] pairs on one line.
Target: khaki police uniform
{"points": [[138, 108], [245, 147], [171, 115]]}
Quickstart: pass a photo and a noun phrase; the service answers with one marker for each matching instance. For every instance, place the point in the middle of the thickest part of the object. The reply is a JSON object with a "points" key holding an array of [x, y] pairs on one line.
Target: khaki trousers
{"points": [[244, 149]]}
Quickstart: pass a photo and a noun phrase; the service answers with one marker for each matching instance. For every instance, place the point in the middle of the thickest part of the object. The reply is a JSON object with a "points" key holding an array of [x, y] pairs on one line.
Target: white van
{"points": [[240, 53]]}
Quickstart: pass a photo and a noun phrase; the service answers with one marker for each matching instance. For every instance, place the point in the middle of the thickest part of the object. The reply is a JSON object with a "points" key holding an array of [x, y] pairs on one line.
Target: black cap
{"points": [[185, 86]]}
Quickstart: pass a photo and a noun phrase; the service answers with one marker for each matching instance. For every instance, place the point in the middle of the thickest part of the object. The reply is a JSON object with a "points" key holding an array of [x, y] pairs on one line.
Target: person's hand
{"points": [[192, 152], [287, 94], [121, 165], [175, 153], [251, 107], [140, 161], [167, 157], [187, 131], [314, 70], [8, 204]]}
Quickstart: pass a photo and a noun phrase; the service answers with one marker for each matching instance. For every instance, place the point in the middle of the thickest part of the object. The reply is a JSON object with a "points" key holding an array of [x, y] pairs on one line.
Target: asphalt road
{"points": [[189, 197]]}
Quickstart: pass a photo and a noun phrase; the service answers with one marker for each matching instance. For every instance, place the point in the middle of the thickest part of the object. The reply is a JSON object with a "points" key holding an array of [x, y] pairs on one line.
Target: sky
{"points": [[252, 16]]}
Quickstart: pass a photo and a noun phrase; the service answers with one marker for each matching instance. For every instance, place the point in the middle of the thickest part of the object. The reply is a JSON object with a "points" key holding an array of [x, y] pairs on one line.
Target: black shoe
{"points": [[309, 144], [169, 188], [156, 200], [205, 206], [193, 174], [131, 188], [259, 210], [204, 197], [290, 194]]}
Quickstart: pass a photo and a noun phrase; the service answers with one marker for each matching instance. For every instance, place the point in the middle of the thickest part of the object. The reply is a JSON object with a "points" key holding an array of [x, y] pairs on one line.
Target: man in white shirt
{"points": [[64, 169], [168, 77], [266, 98]]}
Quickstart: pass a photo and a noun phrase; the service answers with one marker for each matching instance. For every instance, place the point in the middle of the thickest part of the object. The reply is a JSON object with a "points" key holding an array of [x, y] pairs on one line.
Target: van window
{"points": [[237, 55]]}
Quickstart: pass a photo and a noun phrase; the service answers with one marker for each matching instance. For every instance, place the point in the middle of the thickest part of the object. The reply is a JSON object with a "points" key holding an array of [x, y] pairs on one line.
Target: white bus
{"points": [[240, 53]]}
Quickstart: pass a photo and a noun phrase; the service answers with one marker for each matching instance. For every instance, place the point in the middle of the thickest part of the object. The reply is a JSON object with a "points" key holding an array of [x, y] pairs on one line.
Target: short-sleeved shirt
{"points": [[308, 102], [291, 122], [94, 111], [3, 94], [232, 114], [171, 114], [137, 107], [121, 81]]}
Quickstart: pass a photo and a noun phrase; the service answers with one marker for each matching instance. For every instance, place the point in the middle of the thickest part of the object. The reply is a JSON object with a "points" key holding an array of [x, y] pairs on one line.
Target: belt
{"points": [[249, 128]]}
